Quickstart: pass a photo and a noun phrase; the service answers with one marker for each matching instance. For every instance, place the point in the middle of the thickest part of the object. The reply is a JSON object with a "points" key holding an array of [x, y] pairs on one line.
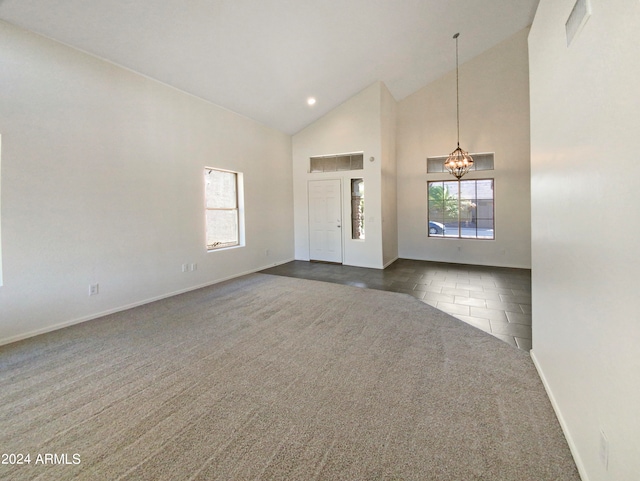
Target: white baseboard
{"points": [[62, 325], [390, 262], [563, 425]]}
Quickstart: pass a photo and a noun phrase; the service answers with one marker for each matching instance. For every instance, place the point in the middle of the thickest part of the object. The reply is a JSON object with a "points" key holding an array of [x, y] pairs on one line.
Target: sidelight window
{"points": [[357, 208]]}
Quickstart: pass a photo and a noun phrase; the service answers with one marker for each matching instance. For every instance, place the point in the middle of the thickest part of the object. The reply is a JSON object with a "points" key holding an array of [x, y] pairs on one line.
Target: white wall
{"points": [[494, 117], [585, 124], [354, 126], [389, 177], [0, 209], [102, 182]]}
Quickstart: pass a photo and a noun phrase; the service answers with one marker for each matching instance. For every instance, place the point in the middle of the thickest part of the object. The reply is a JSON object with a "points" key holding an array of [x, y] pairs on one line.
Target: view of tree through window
{"points": [[461, 209], [222, 215]]}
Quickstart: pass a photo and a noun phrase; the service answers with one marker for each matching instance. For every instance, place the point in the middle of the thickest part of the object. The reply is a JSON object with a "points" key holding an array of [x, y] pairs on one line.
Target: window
{"points": [[480, 162], [461, 209], [357, 208], [223, 215], [336, 163]]}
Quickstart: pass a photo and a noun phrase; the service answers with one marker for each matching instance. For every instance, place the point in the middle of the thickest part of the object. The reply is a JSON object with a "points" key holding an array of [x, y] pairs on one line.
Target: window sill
{"points": [[225, 248]]}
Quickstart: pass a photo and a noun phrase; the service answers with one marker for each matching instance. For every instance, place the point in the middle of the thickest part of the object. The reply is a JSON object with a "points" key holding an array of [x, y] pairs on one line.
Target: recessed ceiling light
{"points": [[311, 101]]}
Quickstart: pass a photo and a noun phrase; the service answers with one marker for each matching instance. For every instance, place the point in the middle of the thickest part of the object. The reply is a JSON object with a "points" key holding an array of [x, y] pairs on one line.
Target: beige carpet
{"points": [[273, 378]]}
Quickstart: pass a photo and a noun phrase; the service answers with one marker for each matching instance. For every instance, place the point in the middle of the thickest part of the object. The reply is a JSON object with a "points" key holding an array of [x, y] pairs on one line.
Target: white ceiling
{"points": [[264, 58]]}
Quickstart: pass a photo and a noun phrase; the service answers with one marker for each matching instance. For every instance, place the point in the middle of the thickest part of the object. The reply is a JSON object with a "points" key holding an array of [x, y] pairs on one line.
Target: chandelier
{"points": [[459, 161]]}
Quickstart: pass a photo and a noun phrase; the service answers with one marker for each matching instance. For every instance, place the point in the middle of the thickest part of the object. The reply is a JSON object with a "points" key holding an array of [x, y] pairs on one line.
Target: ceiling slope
{"points": [[264, 58]]}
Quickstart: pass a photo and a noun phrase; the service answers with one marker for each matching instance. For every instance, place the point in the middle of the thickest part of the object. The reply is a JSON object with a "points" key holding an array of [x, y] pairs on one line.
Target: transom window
{"points": [[463, 209], [482, 161], [222, 208], [336, 163]]}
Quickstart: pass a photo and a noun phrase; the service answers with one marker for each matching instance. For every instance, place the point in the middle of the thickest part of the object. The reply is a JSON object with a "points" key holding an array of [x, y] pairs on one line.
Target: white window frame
{"points": [[238, 209], [474, 220]]}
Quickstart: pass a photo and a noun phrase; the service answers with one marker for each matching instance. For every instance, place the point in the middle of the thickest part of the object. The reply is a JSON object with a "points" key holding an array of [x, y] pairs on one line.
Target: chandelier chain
{"points": [[457, 90], [459, 161]]}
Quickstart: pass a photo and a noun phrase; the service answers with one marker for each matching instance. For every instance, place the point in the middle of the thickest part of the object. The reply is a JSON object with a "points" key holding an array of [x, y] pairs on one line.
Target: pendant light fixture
{"points": [[459, 161]]}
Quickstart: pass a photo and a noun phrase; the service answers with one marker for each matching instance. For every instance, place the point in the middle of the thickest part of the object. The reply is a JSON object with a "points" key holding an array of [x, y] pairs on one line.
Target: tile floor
{"points": [[494, 299]]}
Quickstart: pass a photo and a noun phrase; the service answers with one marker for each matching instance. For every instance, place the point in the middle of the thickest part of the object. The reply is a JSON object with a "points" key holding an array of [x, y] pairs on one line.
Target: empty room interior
{"points": [[179, 179]]}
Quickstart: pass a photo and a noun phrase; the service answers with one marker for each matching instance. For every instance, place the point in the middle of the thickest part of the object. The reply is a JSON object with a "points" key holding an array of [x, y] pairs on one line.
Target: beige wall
{"points": [[102, 182], [389, 178], [494, 117], [0, 209], [585, 101], [354, 126]]}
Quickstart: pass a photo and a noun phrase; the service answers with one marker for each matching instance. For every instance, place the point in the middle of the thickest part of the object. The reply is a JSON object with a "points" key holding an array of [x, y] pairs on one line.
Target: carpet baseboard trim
{"points": [[563, 424], [71, 322]]}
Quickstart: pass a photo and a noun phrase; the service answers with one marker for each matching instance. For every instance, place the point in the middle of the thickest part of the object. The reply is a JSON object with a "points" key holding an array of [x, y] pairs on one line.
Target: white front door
{"points": [[325, 221]]}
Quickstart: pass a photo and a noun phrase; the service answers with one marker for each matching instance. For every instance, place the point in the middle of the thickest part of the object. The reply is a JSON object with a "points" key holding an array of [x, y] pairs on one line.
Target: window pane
{"points": [[357, 208], [316, 164], [436, 212], [485, 189], [485, 209], [435, 164], [443, 209], [336, 163], [471, 217], [451, 189], [329, 164], [480, 162], [220, 189], [483, 161], [357, 162], [485, 219], [222, 228], [452, 229], [343, 162], [434, 187], [467, 190]]}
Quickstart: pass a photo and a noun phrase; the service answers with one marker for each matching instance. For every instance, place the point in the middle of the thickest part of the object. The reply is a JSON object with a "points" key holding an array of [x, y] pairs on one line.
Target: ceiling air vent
{"points": [[578, 17]]}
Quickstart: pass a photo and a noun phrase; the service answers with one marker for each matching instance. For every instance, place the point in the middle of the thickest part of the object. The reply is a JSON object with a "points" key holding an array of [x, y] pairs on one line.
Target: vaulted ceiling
{"points": [[264, 58]]}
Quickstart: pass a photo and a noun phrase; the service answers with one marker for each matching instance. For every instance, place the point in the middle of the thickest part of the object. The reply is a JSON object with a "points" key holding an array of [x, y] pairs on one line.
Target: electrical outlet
{"points": [[604, 450], [266, 252], [185, 267], [94, 289], [194, 267]]}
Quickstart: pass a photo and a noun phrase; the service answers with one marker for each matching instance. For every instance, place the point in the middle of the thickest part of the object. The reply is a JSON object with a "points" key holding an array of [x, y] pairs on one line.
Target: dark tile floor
{"points": [[494, 299]]}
